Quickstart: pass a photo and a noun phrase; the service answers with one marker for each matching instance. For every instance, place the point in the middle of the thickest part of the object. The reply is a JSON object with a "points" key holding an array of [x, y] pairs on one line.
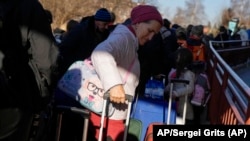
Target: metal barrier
{"points": [[230, 96]]}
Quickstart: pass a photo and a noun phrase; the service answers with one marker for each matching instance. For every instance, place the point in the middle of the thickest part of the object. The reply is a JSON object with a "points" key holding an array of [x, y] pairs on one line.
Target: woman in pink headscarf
{"points": [[112, 59]]}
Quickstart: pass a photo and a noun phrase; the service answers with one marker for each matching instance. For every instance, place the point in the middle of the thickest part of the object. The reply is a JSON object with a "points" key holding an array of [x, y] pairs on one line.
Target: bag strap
{"points": [[129, 70], [199, 51], [88, 62], [130, 67]]}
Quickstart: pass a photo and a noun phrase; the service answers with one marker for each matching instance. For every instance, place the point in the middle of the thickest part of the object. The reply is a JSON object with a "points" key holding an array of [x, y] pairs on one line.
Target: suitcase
{"points": [[149, 133], [134, 130], [83, 112], [150, 110], [129, 98], [178, 120]]}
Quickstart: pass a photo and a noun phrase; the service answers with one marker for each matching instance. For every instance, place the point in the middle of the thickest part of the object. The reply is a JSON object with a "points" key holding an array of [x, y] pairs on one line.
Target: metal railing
{"points": [[230, 96]]}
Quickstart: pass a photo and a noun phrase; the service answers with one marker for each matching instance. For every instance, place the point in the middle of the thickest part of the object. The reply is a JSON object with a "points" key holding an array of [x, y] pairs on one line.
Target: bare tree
{"points": [[152, 2], [180, 17], [64, 10], [241, 10], [226, 16], [121, 8], [195, 12], [192, 13], [166, 14]]}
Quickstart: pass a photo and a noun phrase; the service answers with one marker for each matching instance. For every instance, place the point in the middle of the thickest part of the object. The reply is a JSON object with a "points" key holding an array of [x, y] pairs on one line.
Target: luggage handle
{"points": [[127, 97], [81, 111], [160, 76], [130, 100], [175, 80], [172, 81]]}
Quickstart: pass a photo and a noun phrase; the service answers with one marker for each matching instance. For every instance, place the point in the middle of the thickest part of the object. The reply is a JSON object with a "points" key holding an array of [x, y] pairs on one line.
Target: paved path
{"points": [[244, 74]]}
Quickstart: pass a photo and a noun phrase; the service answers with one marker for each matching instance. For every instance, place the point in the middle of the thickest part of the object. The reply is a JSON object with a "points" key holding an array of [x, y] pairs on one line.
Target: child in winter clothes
{"points": [[184, 60]]}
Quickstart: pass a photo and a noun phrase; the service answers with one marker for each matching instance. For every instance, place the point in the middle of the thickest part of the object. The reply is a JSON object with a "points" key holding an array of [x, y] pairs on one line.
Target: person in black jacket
{"points": [[223, 35], [79, 43], [30, 59]]}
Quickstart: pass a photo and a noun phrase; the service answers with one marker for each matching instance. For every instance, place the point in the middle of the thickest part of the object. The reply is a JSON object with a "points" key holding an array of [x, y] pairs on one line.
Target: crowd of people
{"points": [[36, 57]]}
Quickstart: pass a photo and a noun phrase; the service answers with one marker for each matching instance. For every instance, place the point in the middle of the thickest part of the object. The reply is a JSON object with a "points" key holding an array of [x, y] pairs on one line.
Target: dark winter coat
{"points": [[27, 35], [80, 42]]}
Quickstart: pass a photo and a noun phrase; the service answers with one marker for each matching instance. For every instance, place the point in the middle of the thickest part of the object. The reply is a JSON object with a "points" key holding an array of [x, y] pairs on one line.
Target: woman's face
{"points": [[146, 30]]}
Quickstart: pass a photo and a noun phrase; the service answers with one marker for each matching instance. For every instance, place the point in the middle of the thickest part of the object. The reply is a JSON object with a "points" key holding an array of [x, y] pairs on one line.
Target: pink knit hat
{"points": [[143, 13]]}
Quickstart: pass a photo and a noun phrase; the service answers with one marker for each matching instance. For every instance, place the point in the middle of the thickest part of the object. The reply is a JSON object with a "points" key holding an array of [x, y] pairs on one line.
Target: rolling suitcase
{"points": [[152, 110], [149, 110], [129, 98], [149, 132], [134, 130], [83, 112], [178, 120]]}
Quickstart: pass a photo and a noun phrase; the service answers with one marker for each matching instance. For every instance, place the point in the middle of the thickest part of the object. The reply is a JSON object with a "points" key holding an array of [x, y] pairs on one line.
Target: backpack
{"points": [[198, 52], [201, 92], [165, 33]]}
